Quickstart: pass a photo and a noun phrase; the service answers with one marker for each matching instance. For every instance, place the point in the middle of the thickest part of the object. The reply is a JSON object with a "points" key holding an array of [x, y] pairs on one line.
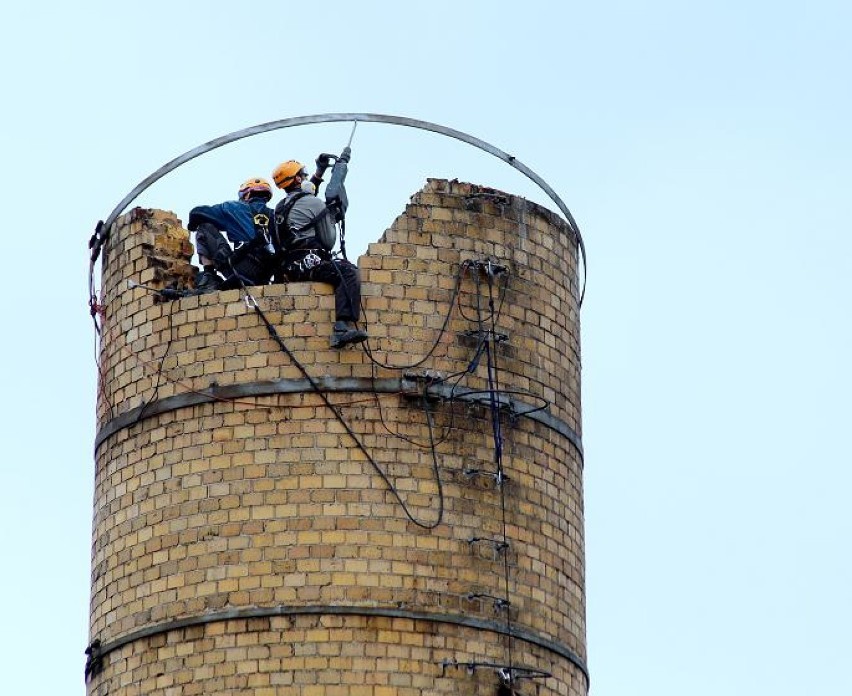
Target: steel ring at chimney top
{"points": [[357, 117]]}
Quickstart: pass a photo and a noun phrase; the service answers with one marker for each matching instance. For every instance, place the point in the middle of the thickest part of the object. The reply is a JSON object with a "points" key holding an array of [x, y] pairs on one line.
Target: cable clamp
{"points": [[487, 266], [500, 603], [485, 335], [94, 659], [95, 307], [508, 674], [96, 241], [448, 662], [499, 477], [499, 545], [416, 384], [251, 303]]}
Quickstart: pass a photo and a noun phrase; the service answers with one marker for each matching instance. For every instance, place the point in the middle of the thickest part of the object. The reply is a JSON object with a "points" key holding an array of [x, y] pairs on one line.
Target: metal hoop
{"points": [[374, 118]]}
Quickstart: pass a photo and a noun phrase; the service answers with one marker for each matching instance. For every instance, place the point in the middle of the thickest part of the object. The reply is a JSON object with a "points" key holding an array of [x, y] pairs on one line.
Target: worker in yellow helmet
{"points": [[307, 234], [247, 222]]}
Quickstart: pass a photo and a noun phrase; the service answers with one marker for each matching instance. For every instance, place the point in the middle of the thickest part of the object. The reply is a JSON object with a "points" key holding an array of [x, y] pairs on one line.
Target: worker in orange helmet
{"points": [[307, 234], [247, 222]]}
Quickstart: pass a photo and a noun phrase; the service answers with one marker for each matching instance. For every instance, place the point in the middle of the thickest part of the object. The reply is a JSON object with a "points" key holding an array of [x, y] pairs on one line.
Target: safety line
{"points": [[273, 333]]}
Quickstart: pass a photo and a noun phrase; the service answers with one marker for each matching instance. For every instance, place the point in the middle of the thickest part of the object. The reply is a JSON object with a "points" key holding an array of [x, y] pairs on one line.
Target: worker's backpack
{"points": [[326, 235]]}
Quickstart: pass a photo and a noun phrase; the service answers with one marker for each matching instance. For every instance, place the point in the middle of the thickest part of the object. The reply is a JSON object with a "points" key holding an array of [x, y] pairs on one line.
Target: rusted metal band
{"points": [[101, 650], [515, 406]]}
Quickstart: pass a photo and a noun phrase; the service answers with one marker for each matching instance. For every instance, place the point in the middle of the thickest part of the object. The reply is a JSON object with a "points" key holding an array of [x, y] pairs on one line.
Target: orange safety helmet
{"points": [[287, 171], [256, 185]]}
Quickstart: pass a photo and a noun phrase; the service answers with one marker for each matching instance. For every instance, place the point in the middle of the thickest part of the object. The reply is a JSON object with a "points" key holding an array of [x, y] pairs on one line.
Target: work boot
{"points": [[346, 333], [206, 281]]}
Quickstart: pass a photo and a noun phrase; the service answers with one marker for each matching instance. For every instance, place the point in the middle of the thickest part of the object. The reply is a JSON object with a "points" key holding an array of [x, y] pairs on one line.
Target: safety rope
{"points": [[417, 363], [273, 333]]}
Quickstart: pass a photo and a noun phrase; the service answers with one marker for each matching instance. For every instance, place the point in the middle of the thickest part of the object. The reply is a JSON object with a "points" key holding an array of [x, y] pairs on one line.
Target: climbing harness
{"points": [[288, 236]]}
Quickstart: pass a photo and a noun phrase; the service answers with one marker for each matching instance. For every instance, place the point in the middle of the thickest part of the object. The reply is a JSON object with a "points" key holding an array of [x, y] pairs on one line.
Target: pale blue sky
{"points": [[705, 151]]}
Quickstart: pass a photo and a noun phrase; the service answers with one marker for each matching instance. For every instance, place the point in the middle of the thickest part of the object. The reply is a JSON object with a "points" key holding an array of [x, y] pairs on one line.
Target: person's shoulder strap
{"points": [[289, 202]]}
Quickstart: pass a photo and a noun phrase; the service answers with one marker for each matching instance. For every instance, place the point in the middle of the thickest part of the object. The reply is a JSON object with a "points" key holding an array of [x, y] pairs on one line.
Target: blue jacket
{"points": [[234, 218]]}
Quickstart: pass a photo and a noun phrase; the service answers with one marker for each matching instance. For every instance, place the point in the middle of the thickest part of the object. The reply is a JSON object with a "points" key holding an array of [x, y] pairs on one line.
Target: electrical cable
{"points": [[470, 369], [417, 363], [467, 264], [251, 302], [396, 433], [468, 393], [425, 525], [494, 385], [448, 428], [376, 363], [475, 266], [487, 346]]}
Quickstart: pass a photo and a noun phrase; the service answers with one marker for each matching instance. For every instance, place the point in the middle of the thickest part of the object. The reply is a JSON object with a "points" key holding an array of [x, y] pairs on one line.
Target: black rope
{"points": [[457, 376], [417, 363], [487, 265], [318, 390], [397, 433], [470, 369]]}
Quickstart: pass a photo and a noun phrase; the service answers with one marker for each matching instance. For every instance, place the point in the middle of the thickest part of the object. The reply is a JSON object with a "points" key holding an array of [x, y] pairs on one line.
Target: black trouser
{"points": [[339, 273], [250, 263]]}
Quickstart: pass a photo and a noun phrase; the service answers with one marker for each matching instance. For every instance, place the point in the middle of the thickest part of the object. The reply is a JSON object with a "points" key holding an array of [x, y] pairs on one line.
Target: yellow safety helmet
{"points": [[255, 185], [287, 171]]}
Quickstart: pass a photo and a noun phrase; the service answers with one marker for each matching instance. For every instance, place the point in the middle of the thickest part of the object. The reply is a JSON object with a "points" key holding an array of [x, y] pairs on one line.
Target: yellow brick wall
{"points": [[264, 504]]}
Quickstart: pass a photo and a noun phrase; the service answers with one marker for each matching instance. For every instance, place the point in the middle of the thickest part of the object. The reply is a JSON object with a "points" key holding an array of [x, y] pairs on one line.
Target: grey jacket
{"points": [[308, 207]]}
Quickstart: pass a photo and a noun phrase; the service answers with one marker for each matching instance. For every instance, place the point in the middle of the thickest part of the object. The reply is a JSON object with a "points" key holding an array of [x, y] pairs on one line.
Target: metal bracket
{"points": [[508, 674], [500, 603], [94, 659], [486, 335], [416, 384], [500, 546], [487, 266], [499, 477]]}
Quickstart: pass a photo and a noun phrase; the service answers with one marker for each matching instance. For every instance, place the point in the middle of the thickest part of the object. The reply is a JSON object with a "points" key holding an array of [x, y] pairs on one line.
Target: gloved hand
{"points": [[323, 162]]}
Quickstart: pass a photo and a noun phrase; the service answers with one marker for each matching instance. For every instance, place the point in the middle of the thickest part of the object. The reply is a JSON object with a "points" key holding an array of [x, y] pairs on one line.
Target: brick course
{"points": [[265, 501]]}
